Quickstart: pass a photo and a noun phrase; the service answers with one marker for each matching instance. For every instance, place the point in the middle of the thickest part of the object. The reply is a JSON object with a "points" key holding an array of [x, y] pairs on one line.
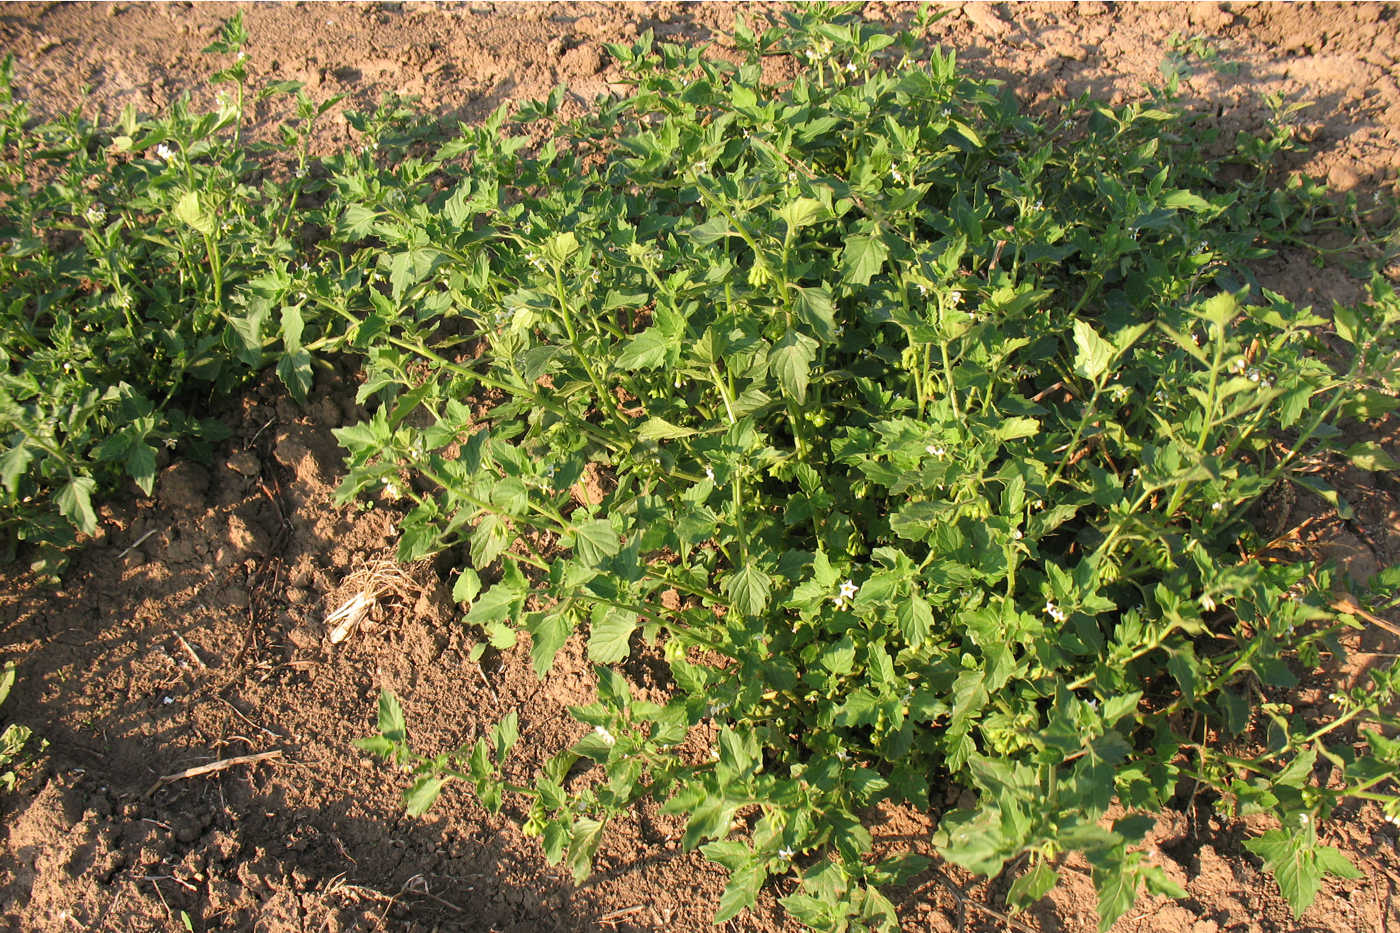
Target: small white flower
{"points": [[1038, 504], [955, 299], [710, 474], [167, 700], [391, 490], [1217, 505], [96, 214], [842, 755], [1254, 375], [1207, 603], [923, 289], [1017, 534], [714, 754], [1237, 365], [851, 67], [792, 178], [935, 450], [165, 152], [605, 735], [894, 173], [242, 55], [1055, 612], [785, 854], [594, 277], [1303, 819], [844, 594]]}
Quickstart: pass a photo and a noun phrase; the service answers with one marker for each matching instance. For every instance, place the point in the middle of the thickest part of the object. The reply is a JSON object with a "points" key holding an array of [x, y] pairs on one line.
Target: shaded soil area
{"points": [[193, 628]]}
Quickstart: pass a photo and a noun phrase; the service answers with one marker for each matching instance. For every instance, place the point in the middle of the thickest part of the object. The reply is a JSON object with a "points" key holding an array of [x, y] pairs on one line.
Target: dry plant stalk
{"points": [[368, 585]]}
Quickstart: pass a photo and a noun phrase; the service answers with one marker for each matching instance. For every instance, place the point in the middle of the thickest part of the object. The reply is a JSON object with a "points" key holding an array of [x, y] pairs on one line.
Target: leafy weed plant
{"points": [[928, 433], [147, 267]]}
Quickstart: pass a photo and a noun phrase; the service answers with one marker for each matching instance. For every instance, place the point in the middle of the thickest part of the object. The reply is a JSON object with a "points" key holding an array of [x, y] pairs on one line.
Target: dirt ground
{"points": [[192, 629]]}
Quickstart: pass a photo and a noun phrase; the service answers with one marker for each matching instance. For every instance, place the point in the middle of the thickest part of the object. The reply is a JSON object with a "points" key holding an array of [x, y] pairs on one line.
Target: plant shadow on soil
{"points": [[204, 640]]}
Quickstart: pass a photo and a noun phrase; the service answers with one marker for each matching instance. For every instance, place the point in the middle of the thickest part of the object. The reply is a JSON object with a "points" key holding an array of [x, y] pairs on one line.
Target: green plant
{"points": [[942, 423], [15, 737], [147, 267]]}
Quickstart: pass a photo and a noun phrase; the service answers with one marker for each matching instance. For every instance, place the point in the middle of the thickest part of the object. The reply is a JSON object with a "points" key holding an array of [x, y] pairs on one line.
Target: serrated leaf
{"points": [[595, 540], [741, 891], [609, 637], [1298, 864], [749, 589], [863, 257], [189, 210], [141, 465], [13, 464], [915, 619], [422, 795], [1094, 354], [467, 586], [1371, 457], [1117, 889], [548, 632], [1032, 886], [657, 429], [791, 360], [75, 503], [391, 722], [646, 350]]}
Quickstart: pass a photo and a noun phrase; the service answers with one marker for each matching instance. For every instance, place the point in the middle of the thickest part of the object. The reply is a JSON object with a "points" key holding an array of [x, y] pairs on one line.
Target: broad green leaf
{"points": [[422, 795], [1032, 886], [189, 210], [467, 587], [1298, 863], [791, 360], [749, 589], [1095, 354], [13, 464], [741, 891], [802, 212], [75, 503], [548, 632], [915, 619], [595, 540], [391, 722], [656, 429], [609, 636], [1372, 457], [583, 843], [141, 465], [646, 350], [863, 257]]}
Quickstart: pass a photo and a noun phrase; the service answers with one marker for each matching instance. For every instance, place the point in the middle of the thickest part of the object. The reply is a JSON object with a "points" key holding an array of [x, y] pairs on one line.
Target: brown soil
{"points": [[192, 630]]}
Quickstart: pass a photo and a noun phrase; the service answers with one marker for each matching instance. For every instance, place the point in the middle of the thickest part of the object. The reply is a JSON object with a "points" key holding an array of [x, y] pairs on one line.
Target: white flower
{"points": [[851, 67], [710, 474], [96, 214], [165, 152], [391, 490], [955, 298], [1017, 534], [844, 594], [1207, 603], [605, 735], [935, 450], [594, 277], [786, 854], [1217, 505], [1303, 819], [923, 289], [792, 178], [1237, 365], [1254, 375], [894, 173], [1055, 612], [167, 700]]}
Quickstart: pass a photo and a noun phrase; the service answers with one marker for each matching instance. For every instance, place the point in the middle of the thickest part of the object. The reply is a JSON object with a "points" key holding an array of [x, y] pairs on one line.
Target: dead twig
{"points": [[214, 767], [1348, 605], [616, 915], [191, 652], [137, 543]]}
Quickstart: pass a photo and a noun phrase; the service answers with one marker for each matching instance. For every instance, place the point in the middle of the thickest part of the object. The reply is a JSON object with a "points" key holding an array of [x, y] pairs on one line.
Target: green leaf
{"points": [[1298, 864], [141, 465], [791, 360], [422, 795], [1095, 354], [915, 619], [583, 843], [391, 722], [802, 213], [646, 350], [1372, 457], [13, 464], [189, 210], [657, 429], [749, 589], [75, 503], [595, 540], [863, 257], [1032, 886], [467, 587], [548, 632], [741, 891], [1185, 200], [1117, 889], [609, 636]]}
